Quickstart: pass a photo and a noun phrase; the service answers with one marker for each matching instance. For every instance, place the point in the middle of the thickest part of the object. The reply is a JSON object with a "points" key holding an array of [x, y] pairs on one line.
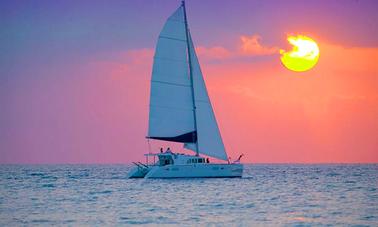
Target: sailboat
{"points": [[181, 111]]}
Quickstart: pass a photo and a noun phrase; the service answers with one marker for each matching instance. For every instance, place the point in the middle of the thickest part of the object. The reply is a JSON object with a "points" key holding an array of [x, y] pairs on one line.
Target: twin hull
{"points": [[188, 171]]}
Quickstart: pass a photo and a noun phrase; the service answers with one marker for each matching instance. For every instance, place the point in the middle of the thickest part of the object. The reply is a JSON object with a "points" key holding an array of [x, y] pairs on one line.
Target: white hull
{"points": [[190, 171]]}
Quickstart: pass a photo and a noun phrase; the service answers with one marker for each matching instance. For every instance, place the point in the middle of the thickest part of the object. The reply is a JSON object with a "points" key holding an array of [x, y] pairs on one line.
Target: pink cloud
{"points": [[251, 45], [247, 46], [138, 56], [216, 52]]}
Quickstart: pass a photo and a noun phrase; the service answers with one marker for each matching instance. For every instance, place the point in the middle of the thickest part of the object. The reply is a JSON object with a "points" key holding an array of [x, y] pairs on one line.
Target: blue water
{"points": [[267, 195]]}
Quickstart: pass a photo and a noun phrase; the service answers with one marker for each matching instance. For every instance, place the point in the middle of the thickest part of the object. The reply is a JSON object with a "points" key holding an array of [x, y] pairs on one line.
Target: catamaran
{"points": [[181, 111]]}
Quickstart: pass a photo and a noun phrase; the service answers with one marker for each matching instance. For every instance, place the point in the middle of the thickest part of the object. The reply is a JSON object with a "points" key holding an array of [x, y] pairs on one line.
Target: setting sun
{"points": [[303, 56]]}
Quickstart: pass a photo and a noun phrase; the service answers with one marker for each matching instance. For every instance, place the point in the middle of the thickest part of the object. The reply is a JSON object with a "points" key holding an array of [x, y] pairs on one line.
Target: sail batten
{"points": [[169, 59], [173, 84], [170, 107], [166, 37]]}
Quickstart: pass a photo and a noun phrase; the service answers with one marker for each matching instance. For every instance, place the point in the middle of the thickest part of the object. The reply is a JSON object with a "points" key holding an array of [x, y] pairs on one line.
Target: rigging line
{"points": [[171, 38], [169, 83]]}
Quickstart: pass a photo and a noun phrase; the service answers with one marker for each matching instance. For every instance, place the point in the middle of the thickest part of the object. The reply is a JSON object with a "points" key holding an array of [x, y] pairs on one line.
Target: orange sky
{"points": [[272, 114], [74, 79], [328, 113]]}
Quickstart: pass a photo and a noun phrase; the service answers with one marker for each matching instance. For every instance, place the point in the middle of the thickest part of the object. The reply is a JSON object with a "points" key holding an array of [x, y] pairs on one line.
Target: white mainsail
{"points": [[180, 108], [171, 105]]}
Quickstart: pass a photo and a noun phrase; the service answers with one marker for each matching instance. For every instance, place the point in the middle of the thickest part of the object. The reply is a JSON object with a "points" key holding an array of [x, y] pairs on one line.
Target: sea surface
{"points": [[267, 195]]}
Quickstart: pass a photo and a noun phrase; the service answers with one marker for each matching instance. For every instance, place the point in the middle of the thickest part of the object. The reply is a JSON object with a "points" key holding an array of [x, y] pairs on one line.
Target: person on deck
{"points": [[161, 150]]}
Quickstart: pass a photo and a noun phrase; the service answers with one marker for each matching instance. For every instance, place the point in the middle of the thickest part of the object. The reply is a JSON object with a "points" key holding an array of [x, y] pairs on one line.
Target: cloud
{"points": [[247, 46], [250, 45], [216, 52], [121, 64], [139, 56]]}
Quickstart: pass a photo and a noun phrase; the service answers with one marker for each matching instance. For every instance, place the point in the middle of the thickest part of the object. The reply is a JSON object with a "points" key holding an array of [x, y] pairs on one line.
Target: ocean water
{"points": [[267, 195]]}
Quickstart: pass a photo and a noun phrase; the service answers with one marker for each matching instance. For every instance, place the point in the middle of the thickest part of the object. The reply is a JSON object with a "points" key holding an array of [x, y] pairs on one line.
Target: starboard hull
{"points": [[191, 171]]}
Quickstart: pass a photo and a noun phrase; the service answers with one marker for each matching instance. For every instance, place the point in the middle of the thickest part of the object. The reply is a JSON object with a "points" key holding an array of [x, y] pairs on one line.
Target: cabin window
{"points": [[165, 160], [200, 160], [194, 160]]}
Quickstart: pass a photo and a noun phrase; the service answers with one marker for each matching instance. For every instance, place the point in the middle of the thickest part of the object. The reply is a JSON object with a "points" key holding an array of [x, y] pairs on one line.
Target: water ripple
{"points": [[273, 195]]}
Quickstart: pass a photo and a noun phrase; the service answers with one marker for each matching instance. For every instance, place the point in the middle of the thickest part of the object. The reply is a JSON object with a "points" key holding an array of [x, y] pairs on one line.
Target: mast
{"points": [[191, 77]]}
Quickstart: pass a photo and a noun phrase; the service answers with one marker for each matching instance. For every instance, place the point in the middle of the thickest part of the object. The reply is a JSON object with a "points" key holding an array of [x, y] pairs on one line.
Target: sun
{"points": [[303, 56]]}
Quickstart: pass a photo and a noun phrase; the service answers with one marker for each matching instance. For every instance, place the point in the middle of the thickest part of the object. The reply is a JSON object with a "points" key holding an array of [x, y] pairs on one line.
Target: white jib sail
{"points": [[208, 136]]}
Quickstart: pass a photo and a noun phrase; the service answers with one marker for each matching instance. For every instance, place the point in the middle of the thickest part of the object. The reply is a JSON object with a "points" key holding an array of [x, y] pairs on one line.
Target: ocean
{"points": [[267, 195]]}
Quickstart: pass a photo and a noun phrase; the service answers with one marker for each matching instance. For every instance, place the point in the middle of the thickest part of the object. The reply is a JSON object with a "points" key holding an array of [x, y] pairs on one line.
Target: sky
{"points": [[74, 79]]}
